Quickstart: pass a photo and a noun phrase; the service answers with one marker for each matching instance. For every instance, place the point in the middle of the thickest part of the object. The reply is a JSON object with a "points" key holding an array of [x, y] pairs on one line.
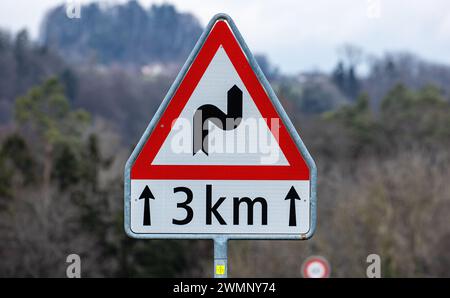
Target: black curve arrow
{"points": [[292, 195], [146, 195], [208, 112]]}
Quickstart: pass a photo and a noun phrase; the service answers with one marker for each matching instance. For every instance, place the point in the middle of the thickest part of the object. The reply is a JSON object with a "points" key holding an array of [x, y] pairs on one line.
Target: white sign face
{"points": [[220, 207], [220, 157]]}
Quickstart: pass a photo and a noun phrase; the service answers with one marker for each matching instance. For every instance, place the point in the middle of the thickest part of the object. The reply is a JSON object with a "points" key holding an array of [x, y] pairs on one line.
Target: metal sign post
{"points": [[220, 257], [181, 184]]}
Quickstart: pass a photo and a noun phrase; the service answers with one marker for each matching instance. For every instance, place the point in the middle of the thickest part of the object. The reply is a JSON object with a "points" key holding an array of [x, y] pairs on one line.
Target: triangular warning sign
{"points": [[220, 81], [220, 141]]}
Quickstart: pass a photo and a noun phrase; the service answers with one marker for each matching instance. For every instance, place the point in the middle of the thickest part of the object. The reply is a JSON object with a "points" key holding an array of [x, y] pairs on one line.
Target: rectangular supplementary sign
{"points": [[220, 207], [220, 158]]}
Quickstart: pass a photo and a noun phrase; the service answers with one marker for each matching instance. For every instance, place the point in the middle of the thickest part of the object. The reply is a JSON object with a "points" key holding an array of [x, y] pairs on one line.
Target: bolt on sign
{"points": [[220, 159]]}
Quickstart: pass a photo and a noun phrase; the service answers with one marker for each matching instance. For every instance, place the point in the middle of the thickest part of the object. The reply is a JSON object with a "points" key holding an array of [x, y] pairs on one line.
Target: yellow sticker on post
{"points": [[220, 269]]}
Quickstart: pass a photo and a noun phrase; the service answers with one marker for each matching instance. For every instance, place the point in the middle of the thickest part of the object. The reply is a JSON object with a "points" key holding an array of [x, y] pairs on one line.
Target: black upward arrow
{"points": [[292, 195], [208, 112], [146, 195]]}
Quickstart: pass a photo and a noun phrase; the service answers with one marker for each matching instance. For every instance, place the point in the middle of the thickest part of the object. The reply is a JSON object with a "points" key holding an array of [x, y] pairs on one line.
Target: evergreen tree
{"points": [[45, 114]]}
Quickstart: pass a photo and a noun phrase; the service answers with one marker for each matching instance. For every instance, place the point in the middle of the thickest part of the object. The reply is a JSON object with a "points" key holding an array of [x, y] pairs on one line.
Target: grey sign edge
{"points": [[286, 120]]}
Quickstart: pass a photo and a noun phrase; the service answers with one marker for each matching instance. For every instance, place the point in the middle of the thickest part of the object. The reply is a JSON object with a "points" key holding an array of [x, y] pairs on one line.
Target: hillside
{"points": [[126, 34]]}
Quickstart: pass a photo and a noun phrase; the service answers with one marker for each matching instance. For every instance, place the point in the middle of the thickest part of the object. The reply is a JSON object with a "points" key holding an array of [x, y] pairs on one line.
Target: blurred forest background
{"points": [[74, 103]]}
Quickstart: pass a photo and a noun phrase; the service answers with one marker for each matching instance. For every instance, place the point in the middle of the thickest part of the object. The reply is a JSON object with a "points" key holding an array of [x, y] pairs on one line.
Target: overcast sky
{"points": [[301, 35]]}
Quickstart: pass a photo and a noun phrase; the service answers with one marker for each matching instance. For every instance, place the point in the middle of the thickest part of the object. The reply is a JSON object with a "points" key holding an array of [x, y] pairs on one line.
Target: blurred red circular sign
{"points": [[316, 267]]}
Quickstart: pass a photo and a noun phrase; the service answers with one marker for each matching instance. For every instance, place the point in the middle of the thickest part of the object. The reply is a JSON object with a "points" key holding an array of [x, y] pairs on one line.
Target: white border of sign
{"points": [[290, 127]]}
